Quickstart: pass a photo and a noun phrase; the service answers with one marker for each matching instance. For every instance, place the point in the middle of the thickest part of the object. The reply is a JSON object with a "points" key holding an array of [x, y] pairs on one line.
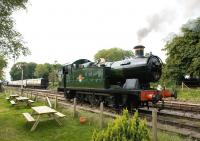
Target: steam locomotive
{"points": [[124, 83]]}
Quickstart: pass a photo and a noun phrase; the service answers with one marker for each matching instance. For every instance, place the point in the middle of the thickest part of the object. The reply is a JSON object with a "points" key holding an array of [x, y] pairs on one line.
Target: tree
{"points": [[3, 64], [53, 75], [42, 70], [124, 128], [183, 53], [113, 54], [15, 72], [33, 70], [28, 68], [11, 43]]}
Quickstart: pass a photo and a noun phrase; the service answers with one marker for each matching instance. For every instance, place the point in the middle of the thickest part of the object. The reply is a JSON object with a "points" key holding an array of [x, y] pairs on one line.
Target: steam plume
{"points": [[167, 16], [155, 22]]}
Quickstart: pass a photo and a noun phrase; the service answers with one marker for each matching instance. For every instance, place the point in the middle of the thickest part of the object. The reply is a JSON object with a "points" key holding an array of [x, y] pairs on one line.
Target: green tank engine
{"points": [[121, 83]]}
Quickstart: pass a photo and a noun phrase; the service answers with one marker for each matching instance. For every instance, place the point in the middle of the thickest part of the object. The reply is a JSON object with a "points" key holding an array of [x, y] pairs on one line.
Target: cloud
{"points": [[190, 6]]}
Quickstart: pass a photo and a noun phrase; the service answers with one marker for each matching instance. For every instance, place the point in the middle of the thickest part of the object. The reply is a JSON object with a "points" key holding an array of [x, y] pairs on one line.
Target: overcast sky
{"points": [[67, 30]]}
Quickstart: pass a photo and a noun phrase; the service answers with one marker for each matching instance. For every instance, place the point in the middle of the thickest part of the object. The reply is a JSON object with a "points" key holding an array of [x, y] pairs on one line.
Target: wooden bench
{"points": [[28, 117], [13, 102], [60, 115], [31, 101], [7, 98]]}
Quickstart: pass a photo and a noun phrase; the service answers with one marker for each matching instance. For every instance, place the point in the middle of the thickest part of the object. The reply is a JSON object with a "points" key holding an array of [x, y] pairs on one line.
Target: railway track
{"points": [[183, 106], [177, 117]]}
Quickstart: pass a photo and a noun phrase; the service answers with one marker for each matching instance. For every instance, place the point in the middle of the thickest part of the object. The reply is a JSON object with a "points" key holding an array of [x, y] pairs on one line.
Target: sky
{"points": [[67, 30]]}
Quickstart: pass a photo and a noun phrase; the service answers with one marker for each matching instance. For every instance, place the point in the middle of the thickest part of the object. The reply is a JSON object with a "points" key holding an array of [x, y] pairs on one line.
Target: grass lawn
{"points": [[13, 126], [190, 95], [162, 136]]}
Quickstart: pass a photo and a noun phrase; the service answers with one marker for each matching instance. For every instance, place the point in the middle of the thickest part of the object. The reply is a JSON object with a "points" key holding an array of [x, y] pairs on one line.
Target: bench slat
{"points": [[58, 114], [28, 117], [31, 101], [7, 98], [12, 102]]}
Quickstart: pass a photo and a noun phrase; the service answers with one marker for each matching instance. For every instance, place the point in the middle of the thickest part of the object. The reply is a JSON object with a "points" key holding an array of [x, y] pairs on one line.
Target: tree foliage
{"points": [[3, 64], [183, 53], [33, 70], [28, 69], [11, 41], [113, 54], [124, 128], [42, 70], [53, 75]]}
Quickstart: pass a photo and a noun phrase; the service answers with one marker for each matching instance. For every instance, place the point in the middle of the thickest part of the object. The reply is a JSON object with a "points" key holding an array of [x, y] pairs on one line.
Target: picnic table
{"points": [[13, 96], [40, 111], [23, 100]]}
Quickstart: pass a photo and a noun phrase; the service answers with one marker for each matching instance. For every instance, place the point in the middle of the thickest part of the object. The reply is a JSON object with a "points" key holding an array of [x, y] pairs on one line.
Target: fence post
{"points": [[101, 115], [48, 102], [31, 95], [75, 113], [182, 85], [36, 97], [22, 91], [27, 93], [154, 124], [46, 95], [56, 102]]}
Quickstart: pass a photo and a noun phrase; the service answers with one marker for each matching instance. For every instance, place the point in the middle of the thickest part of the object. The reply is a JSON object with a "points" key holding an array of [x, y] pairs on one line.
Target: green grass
{"points": [[190, 95], [13, 126], [162, 136]]}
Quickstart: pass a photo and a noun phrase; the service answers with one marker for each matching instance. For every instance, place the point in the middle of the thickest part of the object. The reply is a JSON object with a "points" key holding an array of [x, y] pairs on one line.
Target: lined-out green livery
{"points": [[120, 83]]}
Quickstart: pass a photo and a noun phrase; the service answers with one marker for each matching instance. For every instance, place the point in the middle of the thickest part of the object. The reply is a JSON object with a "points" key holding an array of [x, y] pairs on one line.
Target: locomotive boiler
{"points": [[144, 68], [124, 83]]}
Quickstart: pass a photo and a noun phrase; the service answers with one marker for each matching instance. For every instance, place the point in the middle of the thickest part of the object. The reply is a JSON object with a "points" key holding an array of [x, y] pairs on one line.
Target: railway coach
{"points": [[40, 83]]}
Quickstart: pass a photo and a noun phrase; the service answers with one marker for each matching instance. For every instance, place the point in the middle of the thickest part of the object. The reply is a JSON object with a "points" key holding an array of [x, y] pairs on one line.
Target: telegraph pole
{"points": [[20, 66], [22, 76]]}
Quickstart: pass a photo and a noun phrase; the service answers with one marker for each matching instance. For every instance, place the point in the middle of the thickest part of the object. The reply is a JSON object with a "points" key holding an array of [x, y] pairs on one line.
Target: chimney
{"points": [[139, 50]]}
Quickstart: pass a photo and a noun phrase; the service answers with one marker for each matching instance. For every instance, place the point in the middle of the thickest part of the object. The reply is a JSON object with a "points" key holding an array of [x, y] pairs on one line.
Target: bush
{"points": [[124, 128]]}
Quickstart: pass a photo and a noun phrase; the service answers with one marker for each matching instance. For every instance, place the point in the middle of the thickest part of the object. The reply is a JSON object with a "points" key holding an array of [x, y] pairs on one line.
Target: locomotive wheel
{"points": [[118, 104], [69, 94], [95, 100], [124, 101], [91, 99], [80, 98]]}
